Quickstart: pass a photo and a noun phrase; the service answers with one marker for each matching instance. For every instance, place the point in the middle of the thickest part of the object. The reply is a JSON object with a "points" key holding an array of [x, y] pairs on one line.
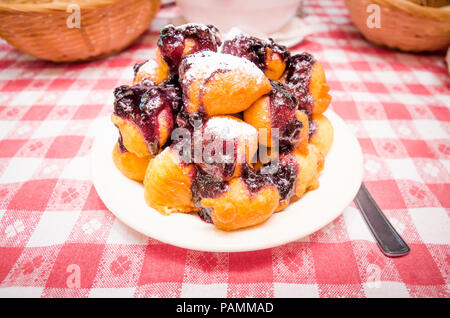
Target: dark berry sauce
{"points": [[206, 186], [143, 103], [122, 148], [283, 113], [173, 93], [172, 41], [189, 121], [254, 49], [255, 180], [285, 176], [298, 77]]}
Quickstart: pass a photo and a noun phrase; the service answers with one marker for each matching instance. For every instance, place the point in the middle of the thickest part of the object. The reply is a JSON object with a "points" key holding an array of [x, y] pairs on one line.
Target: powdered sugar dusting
{"points": [[234, 33], [199, 25], [203, 64], [184, 26], [228, 128], [231, 34], [203, 27], [149, 67]]}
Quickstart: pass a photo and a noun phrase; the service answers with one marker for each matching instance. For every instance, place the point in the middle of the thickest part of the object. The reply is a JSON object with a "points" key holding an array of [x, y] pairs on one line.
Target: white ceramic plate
{"points": [[339, 183]]}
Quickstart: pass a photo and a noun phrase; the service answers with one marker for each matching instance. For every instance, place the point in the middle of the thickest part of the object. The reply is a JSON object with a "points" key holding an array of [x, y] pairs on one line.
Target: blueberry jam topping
{"points": [[205, 214], [285, 176], [172, 41], [189, 121], [298, 77], [254, 49], [282, 173], [283, 113], [206, 186], [143, 104], [122, 148], [173, 93]]}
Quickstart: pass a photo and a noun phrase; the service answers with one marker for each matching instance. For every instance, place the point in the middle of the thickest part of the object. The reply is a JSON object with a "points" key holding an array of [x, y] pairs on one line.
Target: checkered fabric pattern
{"points": [[55, 229]]}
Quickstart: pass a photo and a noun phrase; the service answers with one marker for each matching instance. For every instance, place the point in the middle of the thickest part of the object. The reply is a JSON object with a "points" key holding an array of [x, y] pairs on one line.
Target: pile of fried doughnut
{"points": [[234, 89]]}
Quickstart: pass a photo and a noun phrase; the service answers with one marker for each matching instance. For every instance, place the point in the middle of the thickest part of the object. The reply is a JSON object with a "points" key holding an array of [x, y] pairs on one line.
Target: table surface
{"points": [[57, 239]]}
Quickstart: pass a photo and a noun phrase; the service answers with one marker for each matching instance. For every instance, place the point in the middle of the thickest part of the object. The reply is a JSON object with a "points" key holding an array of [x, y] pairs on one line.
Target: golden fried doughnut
{"points": [[275, 65], [155, 71], [189, 47], [167, 183], [132, 138], [306, 78], [302, 146], [131, 166], [238, 207], [228, 144], [278, 110], [309, 166], [319, 89], [176, 42], [217, 84], [144, 115], [323, 134], [270, 57]]}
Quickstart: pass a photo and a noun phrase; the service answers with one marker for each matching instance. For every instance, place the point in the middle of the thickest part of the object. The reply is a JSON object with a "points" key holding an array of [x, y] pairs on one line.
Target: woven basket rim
{"points": [[52, 6], [439, 14]]}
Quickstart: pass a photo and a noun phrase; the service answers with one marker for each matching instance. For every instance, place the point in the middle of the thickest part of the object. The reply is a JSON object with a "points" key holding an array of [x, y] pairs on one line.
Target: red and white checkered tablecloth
{"points": [[54, 228]]}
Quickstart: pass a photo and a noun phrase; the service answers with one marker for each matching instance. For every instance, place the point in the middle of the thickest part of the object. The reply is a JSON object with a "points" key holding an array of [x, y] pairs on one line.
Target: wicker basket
{"points": [[40, 27], [405, 25], [432, 3]]}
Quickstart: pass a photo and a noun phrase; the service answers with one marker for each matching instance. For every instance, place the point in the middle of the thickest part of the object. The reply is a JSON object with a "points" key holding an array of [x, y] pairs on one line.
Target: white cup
{"points": [[251, 16]]}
